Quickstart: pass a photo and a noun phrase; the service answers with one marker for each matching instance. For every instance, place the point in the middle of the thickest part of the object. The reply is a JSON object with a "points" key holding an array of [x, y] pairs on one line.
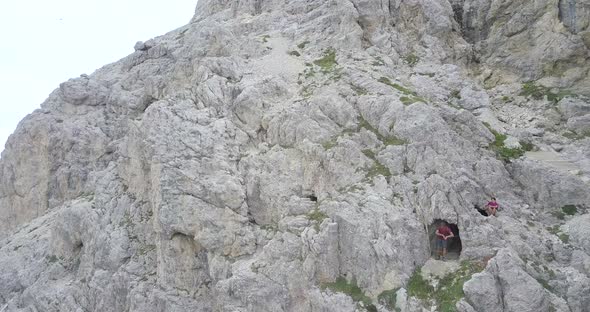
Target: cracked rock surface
{"points": [[254, 158]]}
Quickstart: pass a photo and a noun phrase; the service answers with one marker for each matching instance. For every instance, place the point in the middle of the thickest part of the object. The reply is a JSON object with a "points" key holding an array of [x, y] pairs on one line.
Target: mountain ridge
{"points": [[269, 150]]}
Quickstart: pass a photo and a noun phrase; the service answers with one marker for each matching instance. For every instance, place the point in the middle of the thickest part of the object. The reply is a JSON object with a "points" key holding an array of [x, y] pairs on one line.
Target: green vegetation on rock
{"points": [[555, 230], [351, 289], [377, 168], [577, 136], [378, 61], [559, 215], [388, 298], [330, 144], [569, 210], [317, 216], [411, 59], [359, 90], [544, 283], [328, 61], [408, 100], [565, 238], [302, 45], [503, 152], [389, 140], [538, 92], [449, 289], [419, 287], [396, 86]]}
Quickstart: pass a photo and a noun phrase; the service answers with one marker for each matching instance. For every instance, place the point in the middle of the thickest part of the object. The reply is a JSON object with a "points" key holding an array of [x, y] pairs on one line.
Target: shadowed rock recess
{"points": [[291, 155]]}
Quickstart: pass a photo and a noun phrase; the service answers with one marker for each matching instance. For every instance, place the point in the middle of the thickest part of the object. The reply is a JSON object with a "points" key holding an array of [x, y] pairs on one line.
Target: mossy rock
{"points": [[328, 61], [569, 210], [351, 289], [538, 92]]}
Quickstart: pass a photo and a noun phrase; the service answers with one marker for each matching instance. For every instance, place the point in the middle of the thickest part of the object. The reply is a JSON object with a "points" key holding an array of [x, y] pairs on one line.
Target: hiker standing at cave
{"points": [[443, 233], [492, 207]]}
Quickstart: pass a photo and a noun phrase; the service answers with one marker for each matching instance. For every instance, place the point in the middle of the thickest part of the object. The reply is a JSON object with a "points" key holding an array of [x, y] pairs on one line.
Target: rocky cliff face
{"points": [[274, 154]]}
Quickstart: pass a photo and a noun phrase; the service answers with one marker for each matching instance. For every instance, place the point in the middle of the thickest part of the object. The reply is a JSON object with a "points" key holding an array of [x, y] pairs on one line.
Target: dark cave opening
{"points": [[454, 245]]}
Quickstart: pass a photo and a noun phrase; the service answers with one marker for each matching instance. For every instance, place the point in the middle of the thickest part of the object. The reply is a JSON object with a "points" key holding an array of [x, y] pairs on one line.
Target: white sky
{"points": [[46, 42]]}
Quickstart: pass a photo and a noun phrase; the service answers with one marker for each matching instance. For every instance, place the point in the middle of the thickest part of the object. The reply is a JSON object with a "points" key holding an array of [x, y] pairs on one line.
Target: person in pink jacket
{"points": [[492, 207]]}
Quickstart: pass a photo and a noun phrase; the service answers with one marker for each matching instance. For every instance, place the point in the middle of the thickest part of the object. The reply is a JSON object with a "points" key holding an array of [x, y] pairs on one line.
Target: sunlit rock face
{"points": [[270, 152]]}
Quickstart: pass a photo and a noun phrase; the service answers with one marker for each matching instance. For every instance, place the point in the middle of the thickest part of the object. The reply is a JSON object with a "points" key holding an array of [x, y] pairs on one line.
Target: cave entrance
{"points": [[454, 245]]}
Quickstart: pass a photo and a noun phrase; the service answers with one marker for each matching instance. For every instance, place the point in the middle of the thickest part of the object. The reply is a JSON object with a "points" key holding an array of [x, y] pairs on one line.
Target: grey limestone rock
{"points": [[251, 159]]}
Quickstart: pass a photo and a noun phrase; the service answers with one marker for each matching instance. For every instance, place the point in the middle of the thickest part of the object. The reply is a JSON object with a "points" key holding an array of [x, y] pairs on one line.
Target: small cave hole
{"points": [[309, 194], [454, 245], [482, 211], [78, 248]]}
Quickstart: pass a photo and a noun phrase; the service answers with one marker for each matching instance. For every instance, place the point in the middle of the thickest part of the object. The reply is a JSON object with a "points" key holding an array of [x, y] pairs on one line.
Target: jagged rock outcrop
{"points": [[252, 158]]}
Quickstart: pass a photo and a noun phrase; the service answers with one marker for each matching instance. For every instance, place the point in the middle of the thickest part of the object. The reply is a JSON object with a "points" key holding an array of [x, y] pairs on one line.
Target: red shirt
{"points": [[444, 230]]}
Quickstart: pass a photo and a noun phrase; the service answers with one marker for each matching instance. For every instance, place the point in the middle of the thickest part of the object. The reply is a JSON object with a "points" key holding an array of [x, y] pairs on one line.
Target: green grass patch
{"points": [[411, 59], [538, 92], [302, 45], [386, 140], [377, 168], [505, 153], [527, 146], [396, 86], [510, 153], [363, 123], [564, 238], [456, 94], [569, 210], [307, 91], [265, 38], [52, 259], [544, 283], [309, 72], [418, 287], [317, 217], [393, 140], [328, 61], [359, 90], [294, 53], [577, 136], [378, 61], [388, 298], [330, 144], [559, 215], [449, 289], [351, 289], [409, 100], [369, 153], [553, 229]]}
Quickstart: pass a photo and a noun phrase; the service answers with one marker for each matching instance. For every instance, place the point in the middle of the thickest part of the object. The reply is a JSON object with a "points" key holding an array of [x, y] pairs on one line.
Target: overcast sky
{"points": [[46, 42]]}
